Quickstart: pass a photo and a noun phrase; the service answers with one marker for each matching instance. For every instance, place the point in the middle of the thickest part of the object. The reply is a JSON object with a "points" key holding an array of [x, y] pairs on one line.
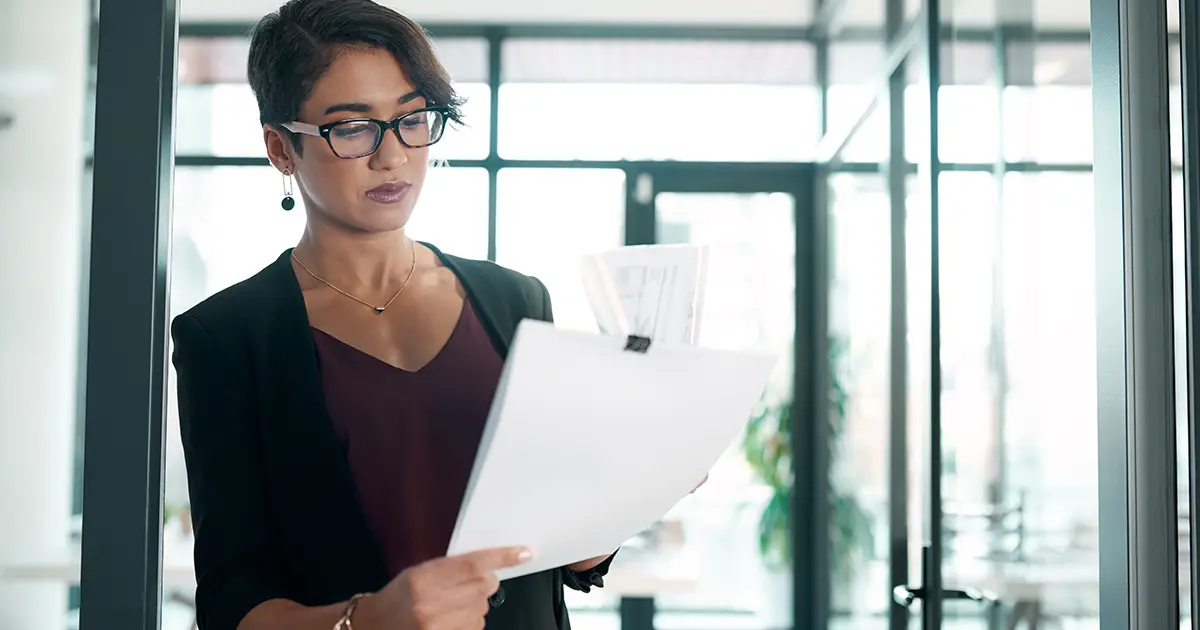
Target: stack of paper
{"points": [[654, 291]]}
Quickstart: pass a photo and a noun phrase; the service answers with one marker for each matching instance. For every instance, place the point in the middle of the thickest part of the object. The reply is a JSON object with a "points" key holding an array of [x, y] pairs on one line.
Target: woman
{"points": [[331, 405]]}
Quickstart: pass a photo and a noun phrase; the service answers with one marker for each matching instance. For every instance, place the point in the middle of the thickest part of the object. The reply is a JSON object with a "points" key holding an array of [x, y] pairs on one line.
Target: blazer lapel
{"points": [[314, 483]]}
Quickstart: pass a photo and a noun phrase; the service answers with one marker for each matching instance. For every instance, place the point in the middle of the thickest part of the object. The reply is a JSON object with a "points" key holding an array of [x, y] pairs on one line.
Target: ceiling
{"points": [[711, 12], [1058, 14], [1047, 14]]}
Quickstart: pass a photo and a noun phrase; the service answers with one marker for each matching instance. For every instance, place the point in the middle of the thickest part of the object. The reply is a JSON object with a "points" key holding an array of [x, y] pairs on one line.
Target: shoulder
{"points": [[241, 308], [489, 281]]}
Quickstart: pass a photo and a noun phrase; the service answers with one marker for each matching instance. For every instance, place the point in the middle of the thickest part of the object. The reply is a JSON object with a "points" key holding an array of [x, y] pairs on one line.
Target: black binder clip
{"points": [[637, 343]]}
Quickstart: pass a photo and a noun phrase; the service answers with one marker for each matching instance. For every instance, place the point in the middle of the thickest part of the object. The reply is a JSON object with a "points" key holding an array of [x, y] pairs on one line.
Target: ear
{"points": [[279, 148]]}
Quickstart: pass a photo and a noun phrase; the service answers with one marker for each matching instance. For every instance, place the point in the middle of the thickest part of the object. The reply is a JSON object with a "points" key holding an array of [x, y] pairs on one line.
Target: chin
{"points": [[383, 218]]}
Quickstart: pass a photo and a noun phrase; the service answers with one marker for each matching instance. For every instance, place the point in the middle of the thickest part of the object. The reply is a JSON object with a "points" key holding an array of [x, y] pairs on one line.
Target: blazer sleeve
{"points": [[236, 564], [542, 305], [583, 581]]}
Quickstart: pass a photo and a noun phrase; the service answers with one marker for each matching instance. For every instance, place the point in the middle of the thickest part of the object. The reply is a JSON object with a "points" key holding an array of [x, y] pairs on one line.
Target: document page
{"points": [[654, 291], [588, 443]]}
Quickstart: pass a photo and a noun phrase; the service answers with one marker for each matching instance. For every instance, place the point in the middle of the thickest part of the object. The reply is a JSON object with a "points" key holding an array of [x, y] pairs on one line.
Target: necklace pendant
{"points": [[379, 310]]}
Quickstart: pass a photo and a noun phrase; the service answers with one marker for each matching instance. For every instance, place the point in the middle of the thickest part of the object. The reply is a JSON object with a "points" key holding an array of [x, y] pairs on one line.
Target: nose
{"points": [[391, 153]]}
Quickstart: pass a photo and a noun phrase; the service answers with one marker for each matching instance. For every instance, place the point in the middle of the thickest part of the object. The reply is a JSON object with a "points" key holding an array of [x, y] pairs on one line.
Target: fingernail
{"points": [[524, 554]]}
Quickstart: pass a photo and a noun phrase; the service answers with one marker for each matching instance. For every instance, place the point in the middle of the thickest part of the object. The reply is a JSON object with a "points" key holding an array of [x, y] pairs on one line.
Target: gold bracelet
{"points": [[346, 622]]}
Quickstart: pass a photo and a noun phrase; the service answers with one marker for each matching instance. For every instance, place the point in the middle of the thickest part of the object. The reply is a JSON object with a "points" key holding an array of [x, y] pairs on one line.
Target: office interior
{"points": [[938, 212]]}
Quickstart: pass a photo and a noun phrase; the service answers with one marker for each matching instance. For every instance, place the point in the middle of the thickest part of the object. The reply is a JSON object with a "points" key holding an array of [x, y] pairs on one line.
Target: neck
{"points": [[356, 262]]}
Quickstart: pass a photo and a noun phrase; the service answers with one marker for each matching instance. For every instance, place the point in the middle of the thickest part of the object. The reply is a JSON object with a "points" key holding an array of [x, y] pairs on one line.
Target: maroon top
{"points": [[411, 437]]}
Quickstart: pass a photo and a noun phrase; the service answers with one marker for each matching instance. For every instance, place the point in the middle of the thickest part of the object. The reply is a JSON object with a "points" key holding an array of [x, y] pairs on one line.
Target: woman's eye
{"points": [[349, 131], [413, 121]]}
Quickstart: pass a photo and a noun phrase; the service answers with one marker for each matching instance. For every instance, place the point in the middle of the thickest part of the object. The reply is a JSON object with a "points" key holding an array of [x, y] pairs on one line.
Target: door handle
{"points": [[905, 596]]}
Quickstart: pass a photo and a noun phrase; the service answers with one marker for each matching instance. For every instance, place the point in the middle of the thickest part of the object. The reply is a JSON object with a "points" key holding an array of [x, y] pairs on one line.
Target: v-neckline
{"points": [[454, 334]]}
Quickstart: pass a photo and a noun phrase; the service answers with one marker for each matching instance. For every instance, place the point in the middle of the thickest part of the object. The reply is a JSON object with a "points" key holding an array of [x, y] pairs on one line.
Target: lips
{"points": [[389, 193]]}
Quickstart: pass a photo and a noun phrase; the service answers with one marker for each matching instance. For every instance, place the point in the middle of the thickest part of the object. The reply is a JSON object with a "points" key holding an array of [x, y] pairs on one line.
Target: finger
{"points": [[498, 558], [471, 566]]}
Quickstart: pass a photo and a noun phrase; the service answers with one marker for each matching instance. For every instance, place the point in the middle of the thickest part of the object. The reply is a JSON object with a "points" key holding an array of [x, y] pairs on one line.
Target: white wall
{"points": [[749, 12], [42, 83]]}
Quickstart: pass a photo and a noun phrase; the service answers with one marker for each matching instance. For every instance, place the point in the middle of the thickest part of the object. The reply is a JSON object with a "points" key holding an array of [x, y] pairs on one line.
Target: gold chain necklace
{"points": [[378, 309]]}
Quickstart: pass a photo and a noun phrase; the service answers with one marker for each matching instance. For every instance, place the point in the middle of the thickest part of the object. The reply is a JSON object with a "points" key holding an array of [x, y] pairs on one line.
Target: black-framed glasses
{"points": [[360, 137]]}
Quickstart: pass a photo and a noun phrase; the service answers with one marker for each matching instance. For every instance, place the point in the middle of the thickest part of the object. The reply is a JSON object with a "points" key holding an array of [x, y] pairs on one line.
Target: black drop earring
{"points": [[288, 202]]}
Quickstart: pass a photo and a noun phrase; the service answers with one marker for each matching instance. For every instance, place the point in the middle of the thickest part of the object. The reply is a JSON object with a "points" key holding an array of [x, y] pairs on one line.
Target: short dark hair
{"points": [[293, 47]]}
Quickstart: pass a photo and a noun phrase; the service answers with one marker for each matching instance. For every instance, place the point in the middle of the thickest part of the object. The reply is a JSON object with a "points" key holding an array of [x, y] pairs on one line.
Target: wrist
{"points": [[357, 613]]}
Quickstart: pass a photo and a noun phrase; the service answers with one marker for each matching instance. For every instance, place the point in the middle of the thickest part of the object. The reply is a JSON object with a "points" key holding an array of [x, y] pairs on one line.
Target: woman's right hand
{"points": [[448, 593]]}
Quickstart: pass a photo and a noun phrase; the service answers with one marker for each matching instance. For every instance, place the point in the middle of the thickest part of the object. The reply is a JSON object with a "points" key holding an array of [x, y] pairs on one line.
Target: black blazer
{"points": [[275, 509]]}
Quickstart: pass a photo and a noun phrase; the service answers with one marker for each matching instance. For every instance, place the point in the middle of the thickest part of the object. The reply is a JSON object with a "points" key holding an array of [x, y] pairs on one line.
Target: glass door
{"points": [[732, 541]]}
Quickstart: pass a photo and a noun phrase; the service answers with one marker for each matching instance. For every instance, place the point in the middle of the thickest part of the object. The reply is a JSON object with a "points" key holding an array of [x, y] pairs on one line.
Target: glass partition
{"points": [[722, 101]]}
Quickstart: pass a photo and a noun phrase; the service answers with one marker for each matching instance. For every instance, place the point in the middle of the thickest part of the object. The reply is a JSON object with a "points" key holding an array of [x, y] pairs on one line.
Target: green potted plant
{"points": [[767, 448]]}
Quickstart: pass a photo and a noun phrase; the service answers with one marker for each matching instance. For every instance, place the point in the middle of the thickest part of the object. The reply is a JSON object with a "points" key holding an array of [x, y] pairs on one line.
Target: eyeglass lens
{"points": [[358, 138]]}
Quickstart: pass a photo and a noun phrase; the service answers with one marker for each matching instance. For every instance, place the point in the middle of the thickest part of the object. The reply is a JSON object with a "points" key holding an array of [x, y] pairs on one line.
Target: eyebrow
{"points": [[363, 108]]}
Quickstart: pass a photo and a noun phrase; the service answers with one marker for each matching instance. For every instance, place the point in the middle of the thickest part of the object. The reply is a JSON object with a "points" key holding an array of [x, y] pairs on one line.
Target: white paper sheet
{"points": [[656, 291], [588, 444]]}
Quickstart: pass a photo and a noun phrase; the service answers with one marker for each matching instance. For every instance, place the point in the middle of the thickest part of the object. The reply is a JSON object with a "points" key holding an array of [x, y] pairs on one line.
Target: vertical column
{"points": [[43, 78], [1138, 514], [495, 48], [1189, 40], [127, 315], [932, 558], [896, 170]]}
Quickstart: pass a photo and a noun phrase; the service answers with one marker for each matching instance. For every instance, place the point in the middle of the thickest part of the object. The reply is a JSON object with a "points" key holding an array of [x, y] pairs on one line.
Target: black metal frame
{"points": [[897, 175], [932, 557], [1189, 27], [1139, 576], [127, 315]]}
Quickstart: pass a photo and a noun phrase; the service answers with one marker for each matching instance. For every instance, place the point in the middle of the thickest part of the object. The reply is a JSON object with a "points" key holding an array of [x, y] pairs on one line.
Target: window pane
{"points": [[854, 67], [658, 122], [1048, 281], [658, 100], [859, 337], [218, 119], [1048, 105], [968, 101], [547, 219], [469, 141], [863, 14], [749, 304], [228, 225], [1018, 374], [658, 61], [968, 104], [453, 211]]}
